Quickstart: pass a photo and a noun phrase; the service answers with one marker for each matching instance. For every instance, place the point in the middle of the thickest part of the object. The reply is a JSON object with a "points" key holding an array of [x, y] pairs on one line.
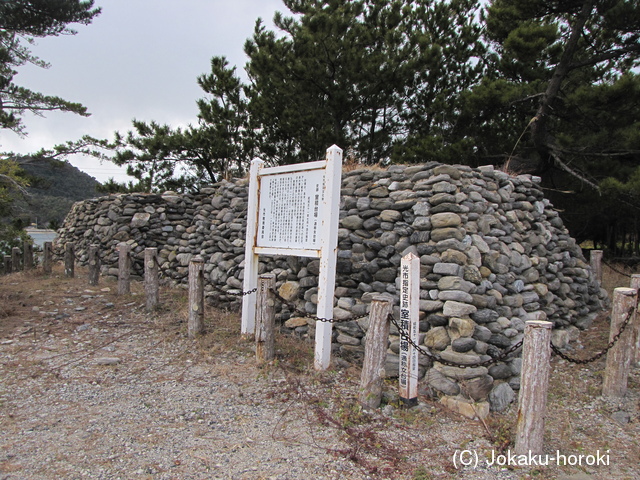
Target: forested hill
{"points": [[54, 186]]}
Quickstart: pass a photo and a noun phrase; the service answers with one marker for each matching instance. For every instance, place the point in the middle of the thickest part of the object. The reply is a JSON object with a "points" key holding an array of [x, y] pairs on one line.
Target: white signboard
{"points": [[294, 210], [290, 205], [409, 323]]}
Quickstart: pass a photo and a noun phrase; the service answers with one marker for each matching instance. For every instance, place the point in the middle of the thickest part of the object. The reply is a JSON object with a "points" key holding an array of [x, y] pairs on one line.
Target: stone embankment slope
{"points": [[493, 254]]}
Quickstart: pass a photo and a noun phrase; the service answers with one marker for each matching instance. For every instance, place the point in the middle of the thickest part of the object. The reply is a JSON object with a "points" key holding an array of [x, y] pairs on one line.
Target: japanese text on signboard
{"points": [[289, 210], [404, 324]]}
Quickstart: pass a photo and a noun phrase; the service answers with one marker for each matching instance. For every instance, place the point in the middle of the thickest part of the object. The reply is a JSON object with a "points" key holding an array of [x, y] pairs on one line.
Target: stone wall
{"points": [[493, 253]]}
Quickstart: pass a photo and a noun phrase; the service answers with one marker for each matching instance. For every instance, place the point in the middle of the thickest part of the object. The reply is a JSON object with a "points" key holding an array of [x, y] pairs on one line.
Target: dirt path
{"points": [[93, 387]]}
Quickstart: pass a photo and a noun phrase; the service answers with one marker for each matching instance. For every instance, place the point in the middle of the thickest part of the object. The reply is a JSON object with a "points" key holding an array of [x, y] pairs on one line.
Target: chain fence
{"points": [[405, 336], [615, 269], [303, 314], [241, 293], [603, 352], [233, 292]]}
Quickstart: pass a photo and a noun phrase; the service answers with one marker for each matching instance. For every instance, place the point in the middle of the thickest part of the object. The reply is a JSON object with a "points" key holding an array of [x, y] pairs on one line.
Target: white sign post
{"points": [[294, 210], [409, 323]]}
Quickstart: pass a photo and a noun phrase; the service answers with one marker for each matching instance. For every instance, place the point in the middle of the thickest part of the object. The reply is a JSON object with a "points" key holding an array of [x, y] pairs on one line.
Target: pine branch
{"points": [[525, 99], [599, 154], [559, 163], [13, 184], [610, 55]]}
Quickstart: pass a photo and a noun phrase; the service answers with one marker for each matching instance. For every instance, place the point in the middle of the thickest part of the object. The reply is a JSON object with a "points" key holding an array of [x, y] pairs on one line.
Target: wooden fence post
{"points": [[69, 260], [375, 353], [635, 359], [124, 269], [265, 318], [618, 364], [16, 253], [195, 325], [28, 256], [94, 264], [534, 381], [596, 264], [151, 287], [48, 255], [8, 268]]}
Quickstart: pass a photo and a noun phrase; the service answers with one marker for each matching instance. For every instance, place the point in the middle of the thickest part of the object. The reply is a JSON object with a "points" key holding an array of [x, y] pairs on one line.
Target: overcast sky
{"points": [[138, 59]]}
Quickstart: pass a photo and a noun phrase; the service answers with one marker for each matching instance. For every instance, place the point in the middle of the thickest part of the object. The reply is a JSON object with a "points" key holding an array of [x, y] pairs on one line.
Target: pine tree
{"points": [[147, 152], [20, 22], [562, 64], [563, 101], [221, 144], [366, 75]]}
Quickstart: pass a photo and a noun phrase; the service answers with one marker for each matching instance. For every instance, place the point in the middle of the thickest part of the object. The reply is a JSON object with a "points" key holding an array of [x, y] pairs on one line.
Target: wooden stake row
{"points": [[151, 276], [151, 269], [17, 260], [535, 356], [534, 377]]}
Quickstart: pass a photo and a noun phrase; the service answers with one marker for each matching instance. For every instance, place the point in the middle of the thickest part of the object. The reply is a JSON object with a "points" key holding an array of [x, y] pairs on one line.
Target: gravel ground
{"points": [[92, 387]]}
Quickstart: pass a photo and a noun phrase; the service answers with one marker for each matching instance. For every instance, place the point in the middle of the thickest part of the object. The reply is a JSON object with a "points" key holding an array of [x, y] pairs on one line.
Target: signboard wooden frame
{"points": [[289, 215]]}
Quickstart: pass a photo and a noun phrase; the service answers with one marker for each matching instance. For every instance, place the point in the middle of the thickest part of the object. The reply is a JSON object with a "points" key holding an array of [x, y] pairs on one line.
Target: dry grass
{"points": [[618, 276], [578, 420], [352, 162]]}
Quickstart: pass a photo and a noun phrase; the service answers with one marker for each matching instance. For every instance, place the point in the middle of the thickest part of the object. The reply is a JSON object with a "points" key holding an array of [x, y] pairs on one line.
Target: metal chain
{"points": [[404, 335], [603, 352], [304, 314], [615, 269], [237, 294], [242, 294], [234, 294], [230, 272]]}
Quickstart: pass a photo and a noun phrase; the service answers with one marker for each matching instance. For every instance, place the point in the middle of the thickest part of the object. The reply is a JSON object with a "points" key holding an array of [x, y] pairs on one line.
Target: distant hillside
{"points": [[54, 186]]}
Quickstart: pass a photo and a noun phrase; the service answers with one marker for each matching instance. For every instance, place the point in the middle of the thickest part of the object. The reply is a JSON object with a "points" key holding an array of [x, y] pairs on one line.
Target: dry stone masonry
{"points": [[493, 253]]}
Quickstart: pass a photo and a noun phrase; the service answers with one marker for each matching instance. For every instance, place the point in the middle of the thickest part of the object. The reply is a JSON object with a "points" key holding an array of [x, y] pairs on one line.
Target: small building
{"points": [[41, 235]]}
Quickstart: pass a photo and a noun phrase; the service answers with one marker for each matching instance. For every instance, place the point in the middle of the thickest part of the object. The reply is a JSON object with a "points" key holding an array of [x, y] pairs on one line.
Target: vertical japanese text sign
{"points": [[294, 210], [409, 323]]}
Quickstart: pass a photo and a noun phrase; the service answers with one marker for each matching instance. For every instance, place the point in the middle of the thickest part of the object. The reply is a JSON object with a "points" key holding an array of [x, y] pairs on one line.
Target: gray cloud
{"points": [[138, 59]]}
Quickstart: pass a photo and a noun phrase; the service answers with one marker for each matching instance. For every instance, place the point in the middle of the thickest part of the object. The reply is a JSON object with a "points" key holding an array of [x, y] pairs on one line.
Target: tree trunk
{"points": [[543, 141], [595, 261]]}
